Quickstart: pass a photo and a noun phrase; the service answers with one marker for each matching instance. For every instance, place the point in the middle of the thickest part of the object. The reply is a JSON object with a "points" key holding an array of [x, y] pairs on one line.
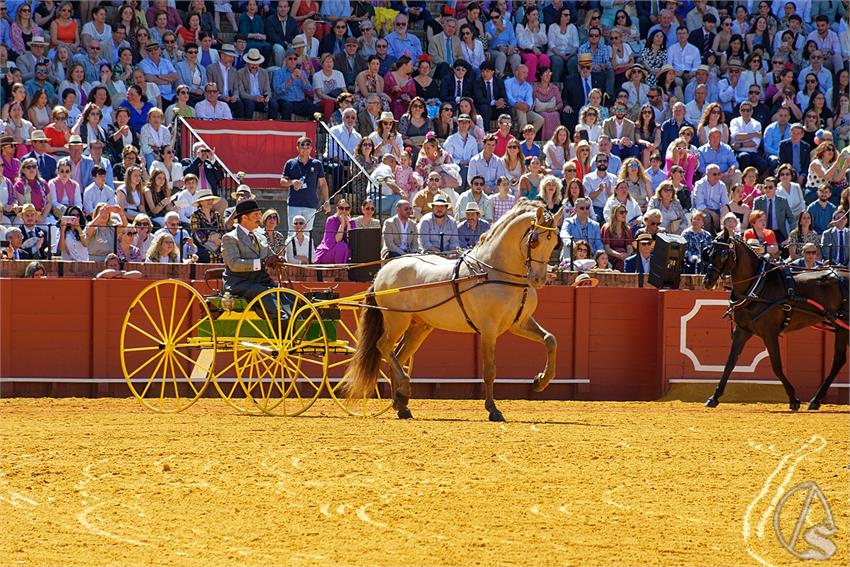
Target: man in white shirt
{"points": [[683, 56], [745, 137], [462, 145], [98, 191], [347, 135], [599, 184], [211, 108], [487, 164], [695, 108]]}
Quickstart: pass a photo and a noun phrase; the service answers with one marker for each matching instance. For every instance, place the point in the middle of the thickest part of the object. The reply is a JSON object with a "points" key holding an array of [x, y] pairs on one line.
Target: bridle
{"points": [[725, 250]]}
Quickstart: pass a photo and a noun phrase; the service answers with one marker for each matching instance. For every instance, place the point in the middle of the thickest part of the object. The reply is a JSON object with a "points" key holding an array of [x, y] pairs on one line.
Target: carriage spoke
{"points": [[171, 329], [297, 370], [145, 333], [192, 328], [162, 385], [193, 362], [183, 316], [141, 349], [145, 363], [152, 378], [165, 333], [171, 361], [186, 376], [153, 324]]}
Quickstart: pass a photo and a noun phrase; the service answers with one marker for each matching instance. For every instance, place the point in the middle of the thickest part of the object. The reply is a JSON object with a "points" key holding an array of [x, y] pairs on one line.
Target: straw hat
{"points": [[387, 116], [241, 191], [439, 201], [204, 195], [584, 280], [38, 136], [472, 207], [74, 140], [7, 141], [254, 57]]}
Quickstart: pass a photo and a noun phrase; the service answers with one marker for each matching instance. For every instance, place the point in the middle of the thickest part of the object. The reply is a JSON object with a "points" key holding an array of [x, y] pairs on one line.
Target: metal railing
{"points": [[346, 176], [186, 136]]}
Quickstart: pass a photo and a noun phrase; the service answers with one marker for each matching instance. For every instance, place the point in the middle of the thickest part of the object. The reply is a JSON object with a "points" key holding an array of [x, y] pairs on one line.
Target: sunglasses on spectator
{"points": [[131, 233], [191, 51], [28, 167], [299, 223], [370, 208], [401, 24], [306, 144], [478, 183], [344, 208], [645, 243], [810, 253], [633, 165], [582, 208], [785, 174]]}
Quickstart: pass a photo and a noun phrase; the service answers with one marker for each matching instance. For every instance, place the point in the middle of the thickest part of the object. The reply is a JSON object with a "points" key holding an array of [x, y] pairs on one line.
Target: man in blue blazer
{"points": [[835, 240], [46, 162], [783, 220], [804, 153], [809, 258], [639, 263]]}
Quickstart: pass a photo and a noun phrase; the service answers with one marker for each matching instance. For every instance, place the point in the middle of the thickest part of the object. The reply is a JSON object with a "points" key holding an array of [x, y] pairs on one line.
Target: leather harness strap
{"points": [[459, 295]]}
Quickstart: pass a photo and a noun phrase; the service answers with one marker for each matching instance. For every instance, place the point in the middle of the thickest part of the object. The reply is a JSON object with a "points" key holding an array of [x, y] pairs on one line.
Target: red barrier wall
{"points": [[625, 341]]}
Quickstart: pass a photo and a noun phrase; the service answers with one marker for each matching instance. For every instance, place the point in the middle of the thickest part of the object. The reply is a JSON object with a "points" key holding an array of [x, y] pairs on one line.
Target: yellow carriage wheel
{"points": [[281, 362], [381, 399], [168, 346]]}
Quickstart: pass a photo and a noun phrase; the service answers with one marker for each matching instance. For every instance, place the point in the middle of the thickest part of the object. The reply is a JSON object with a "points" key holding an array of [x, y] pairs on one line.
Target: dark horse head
{"points": [[718, 258]]}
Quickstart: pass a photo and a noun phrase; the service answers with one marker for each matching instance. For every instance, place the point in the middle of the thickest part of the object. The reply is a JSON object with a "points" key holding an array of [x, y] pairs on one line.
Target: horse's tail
{"points": [[363, 370]]}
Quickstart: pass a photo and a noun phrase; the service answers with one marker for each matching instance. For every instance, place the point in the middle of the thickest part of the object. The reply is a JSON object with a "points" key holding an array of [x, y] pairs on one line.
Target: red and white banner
{"points": [[258, 148]]}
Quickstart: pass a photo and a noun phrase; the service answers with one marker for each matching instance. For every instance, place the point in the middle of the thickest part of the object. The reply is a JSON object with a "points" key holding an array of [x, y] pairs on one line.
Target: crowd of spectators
{"points": [[687, 117]]}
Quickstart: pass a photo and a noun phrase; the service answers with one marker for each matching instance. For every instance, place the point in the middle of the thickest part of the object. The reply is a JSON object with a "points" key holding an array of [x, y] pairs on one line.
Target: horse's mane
{"points": [[521, 207]]}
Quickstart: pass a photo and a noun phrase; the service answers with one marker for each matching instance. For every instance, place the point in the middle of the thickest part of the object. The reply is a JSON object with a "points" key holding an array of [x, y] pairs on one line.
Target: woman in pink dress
{"points": [[684, 158], [400, 86], [547, 102], [334, 246]]}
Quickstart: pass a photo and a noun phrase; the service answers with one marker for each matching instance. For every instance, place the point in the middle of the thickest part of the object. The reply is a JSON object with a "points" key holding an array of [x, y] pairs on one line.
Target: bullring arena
{"points": [[569, 479]]}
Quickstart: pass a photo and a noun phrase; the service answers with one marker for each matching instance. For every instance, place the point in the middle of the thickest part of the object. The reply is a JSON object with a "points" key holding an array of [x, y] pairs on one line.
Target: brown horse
{"points": [[761, 305], [513, 255]]}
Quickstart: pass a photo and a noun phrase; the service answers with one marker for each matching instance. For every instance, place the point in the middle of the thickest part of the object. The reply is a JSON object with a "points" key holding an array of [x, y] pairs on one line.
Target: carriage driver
{"points": [[246, 255]]}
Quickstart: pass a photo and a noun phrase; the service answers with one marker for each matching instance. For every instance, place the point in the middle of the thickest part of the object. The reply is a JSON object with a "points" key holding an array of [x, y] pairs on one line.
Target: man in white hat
{"points": [[159, 70], [37, 51], [471, 229], [81, 165], [438, 230], [34, 237], [255, 87], [242, 193], [226, 78], [46, 162]]}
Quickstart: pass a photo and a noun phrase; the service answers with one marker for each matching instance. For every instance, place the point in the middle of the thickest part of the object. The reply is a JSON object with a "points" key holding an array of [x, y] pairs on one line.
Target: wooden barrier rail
{"points": [[189, 272], [614, 343]]}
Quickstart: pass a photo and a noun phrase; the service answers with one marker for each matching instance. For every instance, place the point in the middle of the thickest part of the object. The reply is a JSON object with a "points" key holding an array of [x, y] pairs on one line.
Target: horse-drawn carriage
{"points": [[176, 341]]}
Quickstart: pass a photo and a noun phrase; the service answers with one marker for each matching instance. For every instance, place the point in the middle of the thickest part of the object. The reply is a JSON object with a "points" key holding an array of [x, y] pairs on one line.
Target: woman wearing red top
{"points": [[758, 230], [58, 131], [582, 159]]}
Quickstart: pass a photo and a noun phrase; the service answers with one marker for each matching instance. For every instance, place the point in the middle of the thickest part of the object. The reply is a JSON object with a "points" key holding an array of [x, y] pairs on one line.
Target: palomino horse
{"points": [[511, 262], [762, 305]]}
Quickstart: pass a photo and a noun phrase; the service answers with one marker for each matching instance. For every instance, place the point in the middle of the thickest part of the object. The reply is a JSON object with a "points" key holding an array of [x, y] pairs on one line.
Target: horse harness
{"points": [[474, 265], [792, 301]]}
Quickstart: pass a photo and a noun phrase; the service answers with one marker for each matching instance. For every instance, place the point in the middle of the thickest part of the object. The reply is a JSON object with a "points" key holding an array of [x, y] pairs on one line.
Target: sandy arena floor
{"points": [[105, 482]]}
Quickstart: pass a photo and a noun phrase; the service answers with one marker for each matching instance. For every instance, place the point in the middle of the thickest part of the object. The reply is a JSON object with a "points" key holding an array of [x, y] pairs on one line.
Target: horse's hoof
{"points": [[496, 416], [711, 402], [404, 413], [540, 383], [794, 405], [400, 401], [813, 406]]}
